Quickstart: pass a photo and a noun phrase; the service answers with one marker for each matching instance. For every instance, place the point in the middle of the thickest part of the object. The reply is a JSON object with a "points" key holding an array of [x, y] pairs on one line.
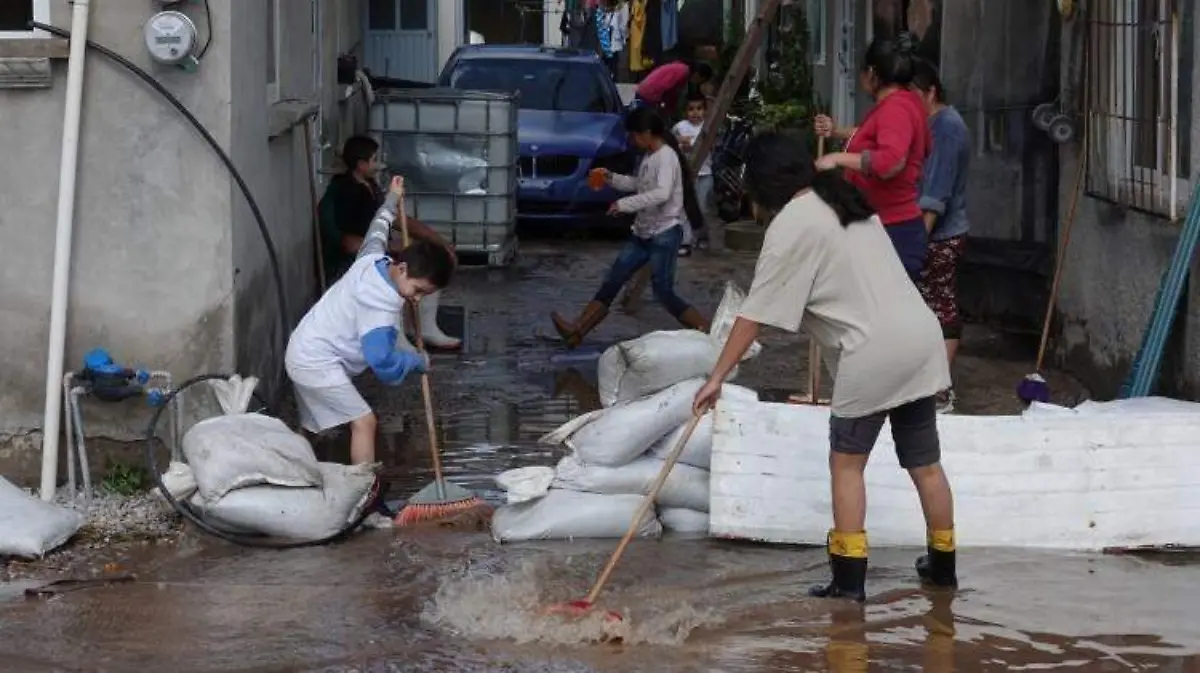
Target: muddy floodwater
{"points": [[452, 600]]}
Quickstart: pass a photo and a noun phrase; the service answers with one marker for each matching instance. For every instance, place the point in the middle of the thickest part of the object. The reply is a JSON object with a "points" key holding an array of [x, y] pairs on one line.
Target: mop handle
{"points": [[814, 351], [426, 391], [647, 503]]}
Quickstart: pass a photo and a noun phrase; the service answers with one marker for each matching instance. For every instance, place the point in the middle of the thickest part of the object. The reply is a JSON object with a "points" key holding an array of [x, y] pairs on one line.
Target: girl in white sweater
{"points": [[665, 196]]}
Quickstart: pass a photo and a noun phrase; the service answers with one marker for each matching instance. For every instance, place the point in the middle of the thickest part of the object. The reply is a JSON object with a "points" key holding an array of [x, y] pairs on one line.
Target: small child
{"points": [[353, 326], [687, 131]]}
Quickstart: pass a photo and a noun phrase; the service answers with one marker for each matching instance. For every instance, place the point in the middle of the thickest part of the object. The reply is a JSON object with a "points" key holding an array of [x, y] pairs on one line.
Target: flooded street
{"points": [[433, 600]]}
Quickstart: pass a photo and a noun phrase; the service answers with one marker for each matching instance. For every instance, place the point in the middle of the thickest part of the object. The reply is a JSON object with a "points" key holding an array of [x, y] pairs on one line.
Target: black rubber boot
{"points": [[937, 569], [849, 579]]}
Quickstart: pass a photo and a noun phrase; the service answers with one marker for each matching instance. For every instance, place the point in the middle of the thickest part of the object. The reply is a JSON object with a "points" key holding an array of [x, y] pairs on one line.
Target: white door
{"points": [[402, 39], [845, 71]]}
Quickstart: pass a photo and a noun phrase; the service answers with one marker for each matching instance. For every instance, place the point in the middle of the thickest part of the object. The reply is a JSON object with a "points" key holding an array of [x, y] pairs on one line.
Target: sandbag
{"points": [[295, 513], [653, 362], [698, 451], [686, 486], [726, 315], [658, 360], [617, 435], [564, 515], [30, 527], [240, 450], [179, 481], [682, 520], [525, 483]]}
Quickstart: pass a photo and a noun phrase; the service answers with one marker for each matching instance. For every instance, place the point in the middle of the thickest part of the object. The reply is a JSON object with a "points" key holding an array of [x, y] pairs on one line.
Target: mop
{"points": [[441, 499]]}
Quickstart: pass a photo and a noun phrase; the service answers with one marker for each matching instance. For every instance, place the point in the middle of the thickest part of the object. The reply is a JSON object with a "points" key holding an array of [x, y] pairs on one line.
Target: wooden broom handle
{"points": [[426, 390], [814, 351], [647, 503]]}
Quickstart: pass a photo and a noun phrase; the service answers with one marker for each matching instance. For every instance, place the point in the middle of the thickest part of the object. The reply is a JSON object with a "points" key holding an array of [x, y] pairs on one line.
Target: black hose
{"points": [[151, 440], [196, 519]]}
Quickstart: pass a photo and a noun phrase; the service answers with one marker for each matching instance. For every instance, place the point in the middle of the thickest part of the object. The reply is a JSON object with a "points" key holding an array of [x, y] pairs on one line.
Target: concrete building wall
{"points": [[169, 268], [151, 276], [1113, 267]]}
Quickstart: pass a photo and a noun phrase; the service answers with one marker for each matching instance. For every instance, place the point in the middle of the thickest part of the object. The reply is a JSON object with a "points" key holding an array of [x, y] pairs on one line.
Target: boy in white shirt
{"points": [[353, 327], [687, 132]]}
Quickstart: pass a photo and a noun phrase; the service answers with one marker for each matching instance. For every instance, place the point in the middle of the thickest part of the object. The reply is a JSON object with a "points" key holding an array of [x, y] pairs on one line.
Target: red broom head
{"points": [[425, 513]]}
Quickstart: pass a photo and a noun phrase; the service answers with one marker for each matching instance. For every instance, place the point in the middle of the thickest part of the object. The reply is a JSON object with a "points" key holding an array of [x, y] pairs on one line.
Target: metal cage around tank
{"points": [[457, 151]]}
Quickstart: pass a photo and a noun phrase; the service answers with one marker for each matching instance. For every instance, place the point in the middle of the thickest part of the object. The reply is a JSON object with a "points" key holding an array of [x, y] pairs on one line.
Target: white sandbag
{"points": [[236, 451], [617, 435], [179, 481], [697, 452], [304, 513], [653, 362], [686, 486], [525, 483], [658, 360], [682, 520], [30, 527], [726, 315], [564, 515]]}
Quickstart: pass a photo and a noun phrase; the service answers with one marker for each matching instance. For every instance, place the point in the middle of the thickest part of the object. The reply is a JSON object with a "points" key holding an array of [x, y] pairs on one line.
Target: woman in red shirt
{"points": [[885, 154]]}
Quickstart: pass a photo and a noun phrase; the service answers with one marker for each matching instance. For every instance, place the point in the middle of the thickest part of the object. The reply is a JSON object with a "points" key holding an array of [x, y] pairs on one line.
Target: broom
{"points": [[814, 351], [441, 499], [1034, 388]]}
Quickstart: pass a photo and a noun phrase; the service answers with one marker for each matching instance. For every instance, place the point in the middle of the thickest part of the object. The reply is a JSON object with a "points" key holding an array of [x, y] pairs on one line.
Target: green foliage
{"points": [[125, 479]]}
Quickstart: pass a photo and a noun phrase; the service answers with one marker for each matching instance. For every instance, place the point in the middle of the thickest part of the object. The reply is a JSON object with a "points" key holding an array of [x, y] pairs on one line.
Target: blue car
{"points": [[571, 120]]}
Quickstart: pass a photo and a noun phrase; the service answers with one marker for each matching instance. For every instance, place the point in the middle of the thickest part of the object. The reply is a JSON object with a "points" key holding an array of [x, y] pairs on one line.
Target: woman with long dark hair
{"points": [[665, 195], [884, 155], [828, 264]]}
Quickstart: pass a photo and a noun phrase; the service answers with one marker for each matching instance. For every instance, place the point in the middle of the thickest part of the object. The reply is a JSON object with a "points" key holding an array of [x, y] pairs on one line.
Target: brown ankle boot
{"points": [[692, 319], [573, 333]]}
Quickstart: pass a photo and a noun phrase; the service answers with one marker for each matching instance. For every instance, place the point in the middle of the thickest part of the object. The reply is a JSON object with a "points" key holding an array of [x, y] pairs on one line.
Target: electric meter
{"points": [[171, 39]]}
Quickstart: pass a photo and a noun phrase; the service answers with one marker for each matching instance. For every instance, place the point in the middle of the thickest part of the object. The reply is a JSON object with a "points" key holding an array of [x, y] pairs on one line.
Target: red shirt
{"points": [[663, 84], [895, 136]]}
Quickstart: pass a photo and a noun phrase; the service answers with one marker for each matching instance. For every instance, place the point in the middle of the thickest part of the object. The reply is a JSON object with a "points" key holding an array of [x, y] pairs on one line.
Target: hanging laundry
{"points": [[670, 25], [637, 36]]}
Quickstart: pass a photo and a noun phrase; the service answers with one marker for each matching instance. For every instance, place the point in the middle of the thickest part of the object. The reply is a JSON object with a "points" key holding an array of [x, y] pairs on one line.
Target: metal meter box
{"points": [[457, 151]]}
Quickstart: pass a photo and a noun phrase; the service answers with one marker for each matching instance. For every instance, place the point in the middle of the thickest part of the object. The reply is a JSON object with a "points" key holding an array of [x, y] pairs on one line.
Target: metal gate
{"points": [[402, 39]]}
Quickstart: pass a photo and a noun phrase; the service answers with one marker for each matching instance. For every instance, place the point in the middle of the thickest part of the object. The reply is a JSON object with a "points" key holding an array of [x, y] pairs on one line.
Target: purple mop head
{"points": [[1033, 388]]}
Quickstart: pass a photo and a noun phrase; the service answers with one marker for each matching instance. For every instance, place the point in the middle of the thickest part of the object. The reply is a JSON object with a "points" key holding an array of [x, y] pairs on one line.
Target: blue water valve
{"points": [[99, 360], [142, 376], [156, 397]]}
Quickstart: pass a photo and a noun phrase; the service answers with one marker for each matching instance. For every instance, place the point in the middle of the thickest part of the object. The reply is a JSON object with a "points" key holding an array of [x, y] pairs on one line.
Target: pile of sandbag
{"points": [[249, 474], [646, 386]]}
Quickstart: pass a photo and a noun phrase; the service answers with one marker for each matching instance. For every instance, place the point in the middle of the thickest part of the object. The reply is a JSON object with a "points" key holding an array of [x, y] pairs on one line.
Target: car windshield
{"points": [[543, 85]]}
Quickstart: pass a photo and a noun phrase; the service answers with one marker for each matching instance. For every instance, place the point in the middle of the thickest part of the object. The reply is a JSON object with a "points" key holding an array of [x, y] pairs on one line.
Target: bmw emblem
{"points": [[533, 147]]}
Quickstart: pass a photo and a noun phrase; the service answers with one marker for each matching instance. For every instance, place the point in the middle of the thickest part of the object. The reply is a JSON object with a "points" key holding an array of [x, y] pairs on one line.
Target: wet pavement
{"points": [[417, 600]]}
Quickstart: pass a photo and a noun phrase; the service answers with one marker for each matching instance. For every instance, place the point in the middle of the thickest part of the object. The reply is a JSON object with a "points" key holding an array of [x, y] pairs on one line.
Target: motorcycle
{"points": [[729, 168]]}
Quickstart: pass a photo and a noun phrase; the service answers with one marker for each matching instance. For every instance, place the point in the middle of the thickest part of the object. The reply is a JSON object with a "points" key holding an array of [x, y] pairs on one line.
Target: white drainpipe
{"points": [[62, 247]]}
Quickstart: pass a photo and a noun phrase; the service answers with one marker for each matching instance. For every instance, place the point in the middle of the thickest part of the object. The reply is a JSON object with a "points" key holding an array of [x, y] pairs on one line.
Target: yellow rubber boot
{"points": [[938, 566], [848, 562]]}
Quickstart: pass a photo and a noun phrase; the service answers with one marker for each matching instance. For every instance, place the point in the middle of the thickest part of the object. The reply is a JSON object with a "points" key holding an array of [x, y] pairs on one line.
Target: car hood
{"points": [[577, 133]]}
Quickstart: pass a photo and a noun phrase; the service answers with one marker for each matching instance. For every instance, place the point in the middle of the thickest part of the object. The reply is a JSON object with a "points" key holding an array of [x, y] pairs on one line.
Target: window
{"points": [[414, 14], [818, 25], [381, 15], [15, 16], [1134, 105], [272, 59], [543, 85]]}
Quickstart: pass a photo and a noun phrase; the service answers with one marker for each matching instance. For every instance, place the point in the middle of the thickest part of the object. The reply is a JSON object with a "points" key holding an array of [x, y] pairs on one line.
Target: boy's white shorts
{"points": [[328, 407]]}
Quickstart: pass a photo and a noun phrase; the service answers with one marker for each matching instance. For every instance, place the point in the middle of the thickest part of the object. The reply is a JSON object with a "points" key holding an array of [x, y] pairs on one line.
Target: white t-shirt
{"points": [[659, 198], [686, 129], [325, 349], [878, 338]]}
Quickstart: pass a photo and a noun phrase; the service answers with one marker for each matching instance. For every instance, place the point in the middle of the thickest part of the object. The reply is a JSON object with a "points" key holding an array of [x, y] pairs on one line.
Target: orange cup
{"points": [[595, 179]]}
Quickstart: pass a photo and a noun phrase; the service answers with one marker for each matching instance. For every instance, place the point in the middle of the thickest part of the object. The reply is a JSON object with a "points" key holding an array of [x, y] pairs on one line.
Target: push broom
{"points": [[581, 607], [814, 351], [441, 499]]}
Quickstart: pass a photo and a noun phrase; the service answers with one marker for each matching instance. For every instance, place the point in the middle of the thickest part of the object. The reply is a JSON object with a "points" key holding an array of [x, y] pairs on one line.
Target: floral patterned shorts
{"points": [[939, 283]]}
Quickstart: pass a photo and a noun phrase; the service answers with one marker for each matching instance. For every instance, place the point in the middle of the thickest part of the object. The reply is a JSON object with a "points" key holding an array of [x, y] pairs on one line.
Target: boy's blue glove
{"points": [[408, 362]]}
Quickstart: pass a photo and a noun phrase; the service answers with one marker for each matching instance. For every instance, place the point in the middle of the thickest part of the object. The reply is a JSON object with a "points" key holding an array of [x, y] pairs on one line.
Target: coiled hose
{"points": [[151, 439]]}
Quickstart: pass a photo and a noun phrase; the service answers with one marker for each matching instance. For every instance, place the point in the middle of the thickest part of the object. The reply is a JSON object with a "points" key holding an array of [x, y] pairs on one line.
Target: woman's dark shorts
{"points": [[914, 431]]}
